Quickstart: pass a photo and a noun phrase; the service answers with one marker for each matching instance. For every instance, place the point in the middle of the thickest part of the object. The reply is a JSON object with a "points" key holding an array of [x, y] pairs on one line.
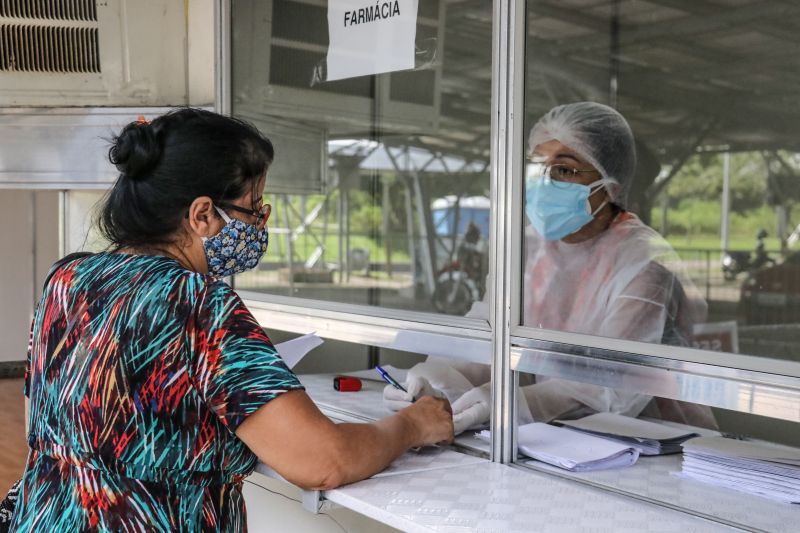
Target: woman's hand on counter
{"points": [[431, 419], [292, 436]]}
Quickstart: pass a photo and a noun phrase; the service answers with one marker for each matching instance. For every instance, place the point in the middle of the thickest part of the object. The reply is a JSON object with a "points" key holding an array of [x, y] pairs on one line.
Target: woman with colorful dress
{"points": [[152, 389]]}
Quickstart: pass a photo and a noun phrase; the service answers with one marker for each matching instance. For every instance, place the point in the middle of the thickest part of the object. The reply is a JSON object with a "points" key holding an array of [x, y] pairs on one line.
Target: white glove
{"points": [[417, 387], [427, 379], [473, 409]]}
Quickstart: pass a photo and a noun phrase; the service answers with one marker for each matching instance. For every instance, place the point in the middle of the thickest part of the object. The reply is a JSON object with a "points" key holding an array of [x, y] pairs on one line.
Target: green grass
{"points": [[305, 245], [712, 242]]}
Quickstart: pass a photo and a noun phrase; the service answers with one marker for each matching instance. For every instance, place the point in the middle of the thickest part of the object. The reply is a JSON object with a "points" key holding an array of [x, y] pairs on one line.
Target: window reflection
{"points": [[715, 181], [380, 183], [702, 248], [592, 265]]}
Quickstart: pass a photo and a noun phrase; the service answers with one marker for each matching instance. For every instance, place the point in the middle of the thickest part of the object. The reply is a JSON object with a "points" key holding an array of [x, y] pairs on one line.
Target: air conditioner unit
{"points": [[278, 45], [106, 53]]}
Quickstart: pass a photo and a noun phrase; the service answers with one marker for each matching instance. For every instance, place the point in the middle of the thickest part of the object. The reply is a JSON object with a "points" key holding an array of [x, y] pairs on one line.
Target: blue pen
{"points": [[389, 379]]}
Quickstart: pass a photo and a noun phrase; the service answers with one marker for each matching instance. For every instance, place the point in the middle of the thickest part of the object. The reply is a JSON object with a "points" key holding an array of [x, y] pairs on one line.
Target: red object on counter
{"points": [[346, 384]]}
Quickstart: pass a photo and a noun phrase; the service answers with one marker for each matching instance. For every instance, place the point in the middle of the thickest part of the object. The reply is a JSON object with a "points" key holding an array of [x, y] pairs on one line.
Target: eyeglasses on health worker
{"points": [[152, 389], [591, 267]]}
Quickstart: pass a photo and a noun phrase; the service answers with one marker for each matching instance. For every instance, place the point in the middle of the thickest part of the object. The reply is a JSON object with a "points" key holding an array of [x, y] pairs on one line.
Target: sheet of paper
{"points": [[428, 458], [370, 37], [292, 351]]}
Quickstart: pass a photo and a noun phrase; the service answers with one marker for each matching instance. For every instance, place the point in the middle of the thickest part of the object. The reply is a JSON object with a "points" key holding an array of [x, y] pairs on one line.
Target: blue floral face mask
{"points": [[237, 247], [557, 209]]}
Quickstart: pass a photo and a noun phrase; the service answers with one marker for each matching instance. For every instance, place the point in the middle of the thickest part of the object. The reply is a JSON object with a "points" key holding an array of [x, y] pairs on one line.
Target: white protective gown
{"points": [[626, 283]]}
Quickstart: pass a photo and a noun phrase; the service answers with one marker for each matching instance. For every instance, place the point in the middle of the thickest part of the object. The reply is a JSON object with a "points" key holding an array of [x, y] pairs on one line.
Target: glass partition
{"points": [[660, 189], [694, 240], [380, 191], [380, 185]]}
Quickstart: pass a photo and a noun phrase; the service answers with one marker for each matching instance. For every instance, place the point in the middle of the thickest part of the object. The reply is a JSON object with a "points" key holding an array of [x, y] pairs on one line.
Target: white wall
{"points": [[200, 16], [28, 246], [47, 230]]}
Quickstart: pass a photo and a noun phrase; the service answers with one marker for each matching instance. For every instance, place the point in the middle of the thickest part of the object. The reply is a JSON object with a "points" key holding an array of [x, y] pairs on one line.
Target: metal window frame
{"points": [[508, 111], [222, 56], [773, 394]]}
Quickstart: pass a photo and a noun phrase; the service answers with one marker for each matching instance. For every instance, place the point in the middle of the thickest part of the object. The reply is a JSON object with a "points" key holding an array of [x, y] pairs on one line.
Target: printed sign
{"points": [[370, 38], [717, 336]]}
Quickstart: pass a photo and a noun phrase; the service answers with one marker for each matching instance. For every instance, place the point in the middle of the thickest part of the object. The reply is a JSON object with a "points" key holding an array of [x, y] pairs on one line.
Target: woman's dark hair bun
{"points": [[136, 150], [168, 163]]}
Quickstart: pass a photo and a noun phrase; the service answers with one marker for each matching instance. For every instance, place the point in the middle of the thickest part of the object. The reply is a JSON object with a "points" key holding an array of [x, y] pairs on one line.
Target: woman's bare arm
{"points": [[293, 437]]}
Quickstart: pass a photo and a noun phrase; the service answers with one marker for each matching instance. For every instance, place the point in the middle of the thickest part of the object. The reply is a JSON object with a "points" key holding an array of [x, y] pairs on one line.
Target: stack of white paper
{"points": [[572, 450], [755, 467], [649, 438]]}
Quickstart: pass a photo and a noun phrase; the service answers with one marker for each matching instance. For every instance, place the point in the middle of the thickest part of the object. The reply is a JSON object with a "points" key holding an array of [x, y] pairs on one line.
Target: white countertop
{"points": [[489, 497], [444, 490], [653, 478]]}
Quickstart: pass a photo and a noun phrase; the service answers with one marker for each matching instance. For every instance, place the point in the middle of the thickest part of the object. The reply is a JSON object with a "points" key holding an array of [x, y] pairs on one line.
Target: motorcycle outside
{"points": [[462, 281], [736, 262], [455, 290]]}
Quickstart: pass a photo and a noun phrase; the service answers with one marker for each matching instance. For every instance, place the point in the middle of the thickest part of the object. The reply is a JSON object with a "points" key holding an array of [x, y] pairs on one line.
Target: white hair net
{"points": [[599, 134]]}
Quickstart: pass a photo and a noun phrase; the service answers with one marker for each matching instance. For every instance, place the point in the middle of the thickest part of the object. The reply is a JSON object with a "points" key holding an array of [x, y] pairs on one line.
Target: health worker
{"points": [[592, 267]]}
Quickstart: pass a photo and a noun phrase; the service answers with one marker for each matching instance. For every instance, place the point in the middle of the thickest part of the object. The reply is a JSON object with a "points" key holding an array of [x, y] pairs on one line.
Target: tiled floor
{"points": [[13, 448]]}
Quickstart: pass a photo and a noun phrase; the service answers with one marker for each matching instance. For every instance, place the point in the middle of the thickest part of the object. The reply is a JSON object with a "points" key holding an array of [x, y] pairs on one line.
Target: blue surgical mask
{"points": [[237, 247], [557, 209]]}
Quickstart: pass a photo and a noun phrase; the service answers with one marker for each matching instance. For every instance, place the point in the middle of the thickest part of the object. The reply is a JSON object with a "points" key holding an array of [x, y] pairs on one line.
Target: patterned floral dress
{"points": [[132, 421]]}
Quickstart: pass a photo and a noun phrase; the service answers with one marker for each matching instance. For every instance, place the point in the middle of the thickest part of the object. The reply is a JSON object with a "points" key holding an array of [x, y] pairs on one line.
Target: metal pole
{"points": [[708, 275], [726, 200], [412, 241], [385, 208], [346, 223], [782, 222], [289, 243], [340, 231], [613, 57], [325, 213], [508, 74], [222, 56], [426, 233]]}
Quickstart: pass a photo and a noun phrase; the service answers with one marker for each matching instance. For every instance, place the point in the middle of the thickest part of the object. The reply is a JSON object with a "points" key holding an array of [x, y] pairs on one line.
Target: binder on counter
{"points": [[649, 438]]}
